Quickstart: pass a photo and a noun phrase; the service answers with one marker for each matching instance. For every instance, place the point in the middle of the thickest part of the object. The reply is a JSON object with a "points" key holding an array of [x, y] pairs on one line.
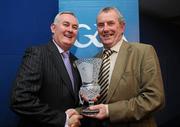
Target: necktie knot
{"points": [[65, 54], [107, 52]]}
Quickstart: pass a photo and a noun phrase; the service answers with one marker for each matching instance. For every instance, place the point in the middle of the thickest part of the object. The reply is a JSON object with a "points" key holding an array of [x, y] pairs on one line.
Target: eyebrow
{"points": [[70, 23]]}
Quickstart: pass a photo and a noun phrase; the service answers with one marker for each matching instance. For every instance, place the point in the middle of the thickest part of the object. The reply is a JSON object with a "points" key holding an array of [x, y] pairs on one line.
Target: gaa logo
{"points": [[92, 38], [87, 45]]}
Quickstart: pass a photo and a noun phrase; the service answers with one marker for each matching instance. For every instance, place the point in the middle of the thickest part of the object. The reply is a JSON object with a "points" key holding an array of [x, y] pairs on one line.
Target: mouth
{"points": [[107, 36], [68, 36]]}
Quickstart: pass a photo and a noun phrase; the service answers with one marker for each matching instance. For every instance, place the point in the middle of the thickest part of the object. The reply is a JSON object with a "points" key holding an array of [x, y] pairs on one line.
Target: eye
{"points": [[111, 23], [65, 24], [75, 27], [100, 25]]}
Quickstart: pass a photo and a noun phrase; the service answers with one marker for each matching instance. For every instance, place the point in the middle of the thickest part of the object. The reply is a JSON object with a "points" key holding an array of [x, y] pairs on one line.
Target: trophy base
{"points": [[89, 112]]}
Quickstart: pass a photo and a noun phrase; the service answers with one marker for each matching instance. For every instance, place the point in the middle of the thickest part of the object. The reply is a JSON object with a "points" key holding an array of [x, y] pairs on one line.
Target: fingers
{"points": [[74, 118], [96, 107], [96, 98], [71, 112], [73, 125], [74, 121], [103, 111], [86, 99]]}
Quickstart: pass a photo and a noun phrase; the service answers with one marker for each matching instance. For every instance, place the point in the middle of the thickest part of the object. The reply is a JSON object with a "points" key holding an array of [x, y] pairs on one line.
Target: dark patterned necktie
{"points": [[103, 79]]}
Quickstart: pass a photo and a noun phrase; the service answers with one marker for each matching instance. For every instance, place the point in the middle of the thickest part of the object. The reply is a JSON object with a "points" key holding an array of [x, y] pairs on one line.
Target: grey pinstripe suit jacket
{"points": [[42, 89]]}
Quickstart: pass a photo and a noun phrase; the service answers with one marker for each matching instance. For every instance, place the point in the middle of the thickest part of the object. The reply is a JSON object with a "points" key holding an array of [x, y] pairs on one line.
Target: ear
{"points": [[53, 27], [123, 26]]}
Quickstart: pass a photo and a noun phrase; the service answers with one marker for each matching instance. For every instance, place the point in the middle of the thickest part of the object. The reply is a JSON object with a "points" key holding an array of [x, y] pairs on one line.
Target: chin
{"points": [[108, 42]]}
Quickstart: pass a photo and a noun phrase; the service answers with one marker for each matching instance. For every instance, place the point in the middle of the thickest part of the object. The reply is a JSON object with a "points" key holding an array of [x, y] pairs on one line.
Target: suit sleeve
{"points": [[150, 96], [25, 101]]}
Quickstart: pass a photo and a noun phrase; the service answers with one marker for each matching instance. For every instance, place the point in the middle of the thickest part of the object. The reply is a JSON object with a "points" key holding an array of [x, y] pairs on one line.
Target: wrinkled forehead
{"points": [[67, 18], [107, 15]]}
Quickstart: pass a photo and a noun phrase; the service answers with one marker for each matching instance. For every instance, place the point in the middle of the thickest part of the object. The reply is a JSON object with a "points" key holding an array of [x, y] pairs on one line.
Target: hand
{"points": [[71, 112], [103, 111], [74, 121], [86, 99]]}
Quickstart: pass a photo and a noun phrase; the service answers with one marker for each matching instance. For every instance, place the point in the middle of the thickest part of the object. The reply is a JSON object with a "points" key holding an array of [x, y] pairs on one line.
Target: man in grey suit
{"points": [[45, 91], [135, 87]]}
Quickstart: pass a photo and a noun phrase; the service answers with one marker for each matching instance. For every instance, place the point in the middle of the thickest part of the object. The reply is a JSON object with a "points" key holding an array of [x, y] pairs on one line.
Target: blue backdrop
{"points": [[22, 23], [87, 44], [27, 22]]}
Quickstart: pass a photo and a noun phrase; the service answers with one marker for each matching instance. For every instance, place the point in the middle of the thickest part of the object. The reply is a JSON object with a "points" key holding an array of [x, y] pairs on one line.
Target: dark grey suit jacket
{"points": [[43, 90]]}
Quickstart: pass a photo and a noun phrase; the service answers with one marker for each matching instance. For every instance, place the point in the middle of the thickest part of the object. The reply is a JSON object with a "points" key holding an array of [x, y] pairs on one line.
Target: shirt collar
{"points": [[116, 47], [58, 47]]}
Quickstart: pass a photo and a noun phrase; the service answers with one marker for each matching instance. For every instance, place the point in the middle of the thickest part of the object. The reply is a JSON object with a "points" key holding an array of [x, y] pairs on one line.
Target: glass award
{"points": [[89, 70]]}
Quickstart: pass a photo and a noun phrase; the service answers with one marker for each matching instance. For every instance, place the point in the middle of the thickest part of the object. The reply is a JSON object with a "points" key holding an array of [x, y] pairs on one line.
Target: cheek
{"points": [[75, 34], [99, 30], [100, 33]]}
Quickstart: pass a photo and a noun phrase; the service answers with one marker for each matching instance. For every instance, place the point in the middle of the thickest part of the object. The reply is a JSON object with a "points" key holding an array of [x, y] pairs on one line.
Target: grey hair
{"points": [[56, 19], [107, 9]]}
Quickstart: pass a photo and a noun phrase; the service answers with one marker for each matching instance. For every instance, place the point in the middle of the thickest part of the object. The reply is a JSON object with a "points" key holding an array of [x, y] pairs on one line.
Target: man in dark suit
{"points": [[45, 91], [133, 90]]}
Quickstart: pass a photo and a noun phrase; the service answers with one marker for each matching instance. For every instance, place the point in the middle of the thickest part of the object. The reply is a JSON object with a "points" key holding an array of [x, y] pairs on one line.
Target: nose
{"points": [[105, 28], [70, 29]]}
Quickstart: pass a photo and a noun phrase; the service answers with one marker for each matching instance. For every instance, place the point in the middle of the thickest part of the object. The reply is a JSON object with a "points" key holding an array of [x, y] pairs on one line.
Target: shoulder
{"points": [[37, 49], [140, 47], [35, 53]]}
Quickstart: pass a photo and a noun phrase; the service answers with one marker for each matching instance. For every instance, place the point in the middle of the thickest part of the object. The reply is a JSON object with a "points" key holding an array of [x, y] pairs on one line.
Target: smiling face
{"points": [[109, 27], [65, 30]]}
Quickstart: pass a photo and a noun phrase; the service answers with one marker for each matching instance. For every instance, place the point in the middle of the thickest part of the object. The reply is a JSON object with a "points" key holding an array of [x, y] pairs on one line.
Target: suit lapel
{"points": [[118, 69], [59, 64]]}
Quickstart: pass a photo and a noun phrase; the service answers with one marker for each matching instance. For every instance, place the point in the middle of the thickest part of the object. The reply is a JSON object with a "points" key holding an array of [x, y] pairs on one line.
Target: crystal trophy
{"points": [[89, 71]]}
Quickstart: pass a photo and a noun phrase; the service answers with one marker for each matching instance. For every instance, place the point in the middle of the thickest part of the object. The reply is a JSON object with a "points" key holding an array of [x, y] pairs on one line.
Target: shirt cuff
{"points": [[67, 119], [107, 110]]}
